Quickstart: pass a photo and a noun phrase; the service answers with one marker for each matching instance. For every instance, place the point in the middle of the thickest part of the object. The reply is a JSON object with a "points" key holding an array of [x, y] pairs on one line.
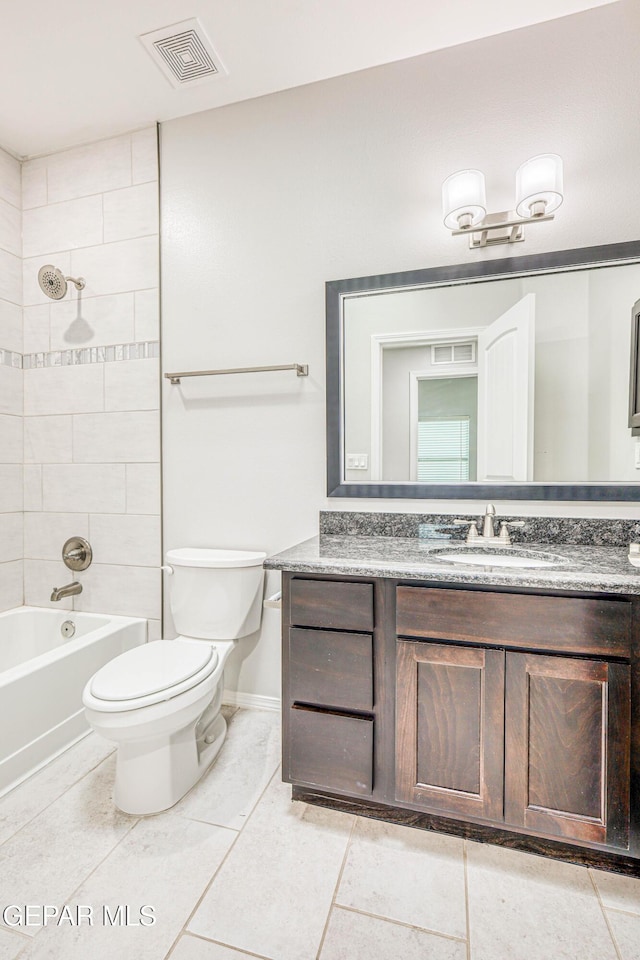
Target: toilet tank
{"points": [[215, 594]]}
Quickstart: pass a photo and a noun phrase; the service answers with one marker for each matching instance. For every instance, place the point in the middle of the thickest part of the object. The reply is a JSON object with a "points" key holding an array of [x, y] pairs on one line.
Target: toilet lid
{"points": [[152, 668]]}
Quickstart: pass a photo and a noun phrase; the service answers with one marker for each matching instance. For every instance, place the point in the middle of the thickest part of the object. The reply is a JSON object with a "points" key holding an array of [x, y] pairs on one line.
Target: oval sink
{"points": [[488, 558]]}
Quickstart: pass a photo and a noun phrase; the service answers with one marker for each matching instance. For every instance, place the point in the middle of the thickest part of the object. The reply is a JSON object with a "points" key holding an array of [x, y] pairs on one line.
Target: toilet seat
{"points": [[149, 674]]}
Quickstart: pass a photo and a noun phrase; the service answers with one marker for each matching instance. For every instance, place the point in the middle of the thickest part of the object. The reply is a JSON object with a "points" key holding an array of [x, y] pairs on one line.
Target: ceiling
{"points": [[75, 71]]}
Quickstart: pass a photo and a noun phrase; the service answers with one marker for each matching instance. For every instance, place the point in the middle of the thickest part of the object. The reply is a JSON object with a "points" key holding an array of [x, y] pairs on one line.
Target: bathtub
{"points": [[42, 675]]}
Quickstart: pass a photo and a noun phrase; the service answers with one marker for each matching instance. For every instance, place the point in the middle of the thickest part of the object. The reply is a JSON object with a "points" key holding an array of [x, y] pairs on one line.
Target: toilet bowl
{"points": [[161, 702]]}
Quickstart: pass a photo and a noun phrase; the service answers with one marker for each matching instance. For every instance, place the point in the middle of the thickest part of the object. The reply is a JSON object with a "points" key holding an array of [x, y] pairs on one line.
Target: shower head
{"points": [[53, 283]]}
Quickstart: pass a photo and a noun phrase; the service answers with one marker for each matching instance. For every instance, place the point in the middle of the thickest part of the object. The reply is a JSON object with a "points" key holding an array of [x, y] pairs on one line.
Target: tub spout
{"points": [[69, 590]]}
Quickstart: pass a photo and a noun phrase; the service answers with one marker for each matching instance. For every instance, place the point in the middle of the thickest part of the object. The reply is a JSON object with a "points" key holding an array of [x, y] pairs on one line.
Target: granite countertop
{"points": [[593, 569]]}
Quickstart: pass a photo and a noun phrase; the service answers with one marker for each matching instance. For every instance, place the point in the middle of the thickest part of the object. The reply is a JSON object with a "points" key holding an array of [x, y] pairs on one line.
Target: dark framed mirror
{"points": [[506, 379]]}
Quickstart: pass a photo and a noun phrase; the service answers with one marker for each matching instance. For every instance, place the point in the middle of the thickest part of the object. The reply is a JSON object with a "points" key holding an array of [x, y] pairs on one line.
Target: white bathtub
{"points": [[42, 675]]}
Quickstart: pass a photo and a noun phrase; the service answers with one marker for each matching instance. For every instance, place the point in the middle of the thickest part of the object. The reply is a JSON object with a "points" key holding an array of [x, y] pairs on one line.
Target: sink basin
{"points": [[491, 558]]}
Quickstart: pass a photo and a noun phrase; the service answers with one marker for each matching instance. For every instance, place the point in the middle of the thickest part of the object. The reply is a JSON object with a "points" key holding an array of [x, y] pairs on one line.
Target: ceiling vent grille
{"points": [[184, 53]]}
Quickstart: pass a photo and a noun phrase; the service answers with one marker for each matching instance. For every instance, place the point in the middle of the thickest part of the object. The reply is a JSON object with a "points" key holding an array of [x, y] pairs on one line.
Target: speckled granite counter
{"points": [[592, 569]]}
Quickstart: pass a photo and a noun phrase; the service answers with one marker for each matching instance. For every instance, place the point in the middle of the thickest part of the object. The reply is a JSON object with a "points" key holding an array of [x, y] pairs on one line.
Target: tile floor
{"points": [[236, 871]]}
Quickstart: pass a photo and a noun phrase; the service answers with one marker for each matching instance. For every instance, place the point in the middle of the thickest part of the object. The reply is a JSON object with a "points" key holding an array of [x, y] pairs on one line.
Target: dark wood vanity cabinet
{"points": [[483, 709], [328, 657], [534, 740]]}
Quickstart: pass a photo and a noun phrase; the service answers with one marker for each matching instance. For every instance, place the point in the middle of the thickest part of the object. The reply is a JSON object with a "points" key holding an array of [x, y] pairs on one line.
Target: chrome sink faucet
{"points": [[69, 590], [488, 536]]}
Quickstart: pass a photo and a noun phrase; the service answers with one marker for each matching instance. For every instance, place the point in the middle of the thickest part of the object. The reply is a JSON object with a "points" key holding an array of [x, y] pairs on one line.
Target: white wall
{"points": [[91, 394], [265, 200]]}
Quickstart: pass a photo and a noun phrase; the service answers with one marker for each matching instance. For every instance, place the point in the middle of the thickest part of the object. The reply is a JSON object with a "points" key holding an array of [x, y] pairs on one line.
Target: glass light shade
{"points": [[539, 179], [463, 193]]}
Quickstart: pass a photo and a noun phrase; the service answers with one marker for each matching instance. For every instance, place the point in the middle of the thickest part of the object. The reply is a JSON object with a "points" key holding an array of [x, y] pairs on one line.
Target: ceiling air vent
{"points": [[184, 53]]}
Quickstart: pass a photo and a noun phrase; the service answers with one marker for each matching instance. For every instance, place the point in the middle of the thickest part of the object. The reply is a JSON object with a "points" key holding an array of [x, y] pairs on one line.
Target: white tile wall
{"points": [[34, 183], [130, 539], [117, 267], [117, 437], [10, 537], [44, 533], [143, 488], [79, 442], [10, 280], [147, 315], [62, 226], [55, 390], [10, 391], [91, 169], [132, 385], [132, 212], [10, 227], [11, 395], [11, 584], [84, 488], [11, 488], [33, 486], [10, 439], [93, 321], [144, 155], [48, 439], [125, 591], [11, 326], [36, 337]]}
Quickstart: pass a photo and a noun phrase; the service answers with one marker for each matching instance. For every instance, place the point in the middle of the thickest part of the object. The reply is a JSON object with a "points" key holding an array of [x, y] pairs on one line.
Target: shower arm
{"points": [[79, 282]]}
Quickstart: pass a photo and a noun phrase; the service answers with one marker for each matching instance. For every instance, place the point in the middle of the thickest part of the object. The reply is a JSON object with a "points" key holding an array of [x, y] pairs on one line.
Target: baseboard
{"points": [[236, 699]]}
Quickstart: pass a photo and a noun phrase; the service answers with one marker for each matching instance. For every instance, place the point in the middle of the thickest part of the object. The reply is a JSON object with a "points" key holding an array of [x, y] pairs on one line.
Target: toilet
{"points": [[161, 702]]}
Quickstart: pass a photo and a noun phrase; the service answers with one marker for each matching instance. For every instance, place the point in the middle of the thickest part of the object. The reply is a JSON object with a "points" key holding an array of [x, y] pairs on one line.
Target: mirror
{"points": [[507, 379]]}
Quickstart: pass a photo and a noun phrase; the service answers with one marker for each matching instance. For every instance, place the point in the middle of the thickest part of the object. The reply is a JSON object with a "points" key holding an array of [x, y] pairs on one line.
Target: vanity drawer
{"points": [[331, 604], [331, 751], [555, 624], [331, 669]]}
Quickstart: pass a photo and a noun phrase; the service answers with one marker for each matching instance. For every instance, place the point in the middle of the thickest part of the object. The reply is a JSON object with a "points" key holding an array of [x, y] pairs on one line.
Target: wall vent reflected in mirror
{"points": [[454, 352]]}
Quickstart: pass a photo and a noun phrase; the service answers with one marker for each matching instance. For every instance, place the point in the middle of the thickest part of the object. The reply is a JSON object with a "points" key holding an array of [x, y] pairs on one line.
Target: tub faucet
{"points": [[69, 590]]}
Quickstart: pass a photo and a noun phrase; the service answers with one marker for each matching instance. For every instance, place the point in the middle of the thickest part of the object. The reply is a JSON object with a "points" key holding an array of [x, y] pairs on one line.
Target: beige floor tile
{"points": [[626, 930], [523, 907], [227, 794], [408, 875], [11, 945], [273, 893], [352, 936], [192, 948], [36, 793], [621, 893], [164, 863], [46, 860]]}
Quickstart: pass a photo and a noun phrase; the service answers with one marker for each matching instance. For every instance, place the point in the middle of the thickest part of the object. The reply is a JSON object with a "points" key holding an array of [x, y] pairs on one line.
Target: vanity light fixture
{"points": [[538, 194]]}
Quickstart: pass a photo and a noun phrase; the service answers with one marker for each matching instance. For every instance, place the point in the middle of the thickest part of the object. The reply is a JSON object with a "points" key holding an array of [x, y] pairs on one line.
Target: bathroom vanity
{"points": [[496, 703]]}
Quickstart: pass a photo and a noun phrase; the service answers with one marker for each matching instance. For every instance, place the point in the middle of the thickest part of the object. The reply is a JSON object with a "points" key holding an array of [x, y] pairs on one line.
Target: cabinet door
{"points": [[450, 728], [567, 747]]}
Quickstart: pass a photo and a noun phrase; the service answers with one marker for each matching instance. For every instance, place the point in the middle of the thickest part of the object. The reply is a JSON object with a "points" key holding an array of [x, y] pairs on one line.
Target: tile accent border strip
{"points": [[149, 349], [9, 358], [145, 350]]}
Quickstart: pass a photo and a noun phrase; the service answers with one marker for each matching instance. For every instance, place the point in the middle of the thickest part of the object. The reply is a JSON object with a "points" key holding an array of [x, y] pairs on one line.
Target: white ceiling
{"points": [[74, 71]]}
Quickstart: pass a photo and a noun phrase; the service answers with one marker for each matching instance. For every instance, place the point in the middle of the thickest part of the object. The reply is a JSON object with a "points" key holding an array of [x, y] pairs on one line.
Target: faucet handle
{"points": [[473, 534], [504, 529]]}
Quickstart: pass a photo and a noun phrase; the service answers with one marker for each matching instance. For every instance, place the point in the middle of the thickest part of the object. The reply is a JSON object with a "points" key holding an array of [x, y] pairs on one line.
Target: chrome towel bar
{"points": [[302, 370]]}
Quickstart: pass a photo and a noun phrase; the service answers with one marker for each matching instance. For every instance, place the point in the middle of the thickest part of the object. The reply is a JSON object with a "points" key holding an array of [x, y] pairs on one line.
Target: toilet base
{"points": [[153, 775]]}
